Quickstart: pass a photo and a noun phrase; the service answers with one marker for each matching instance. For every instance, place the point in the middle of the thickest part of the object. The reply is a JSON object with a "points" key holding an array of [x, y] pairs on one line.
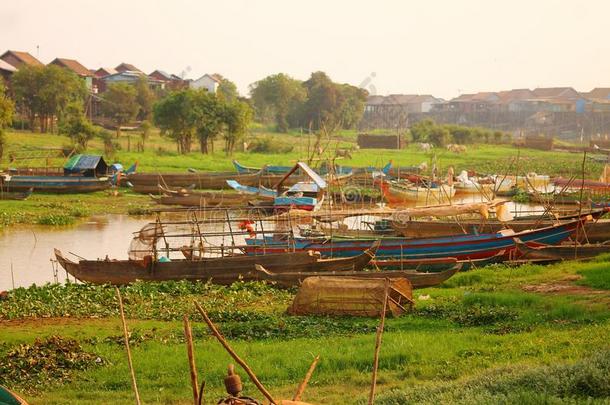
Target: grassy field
{"points": [[531, 334], [160, 154]]}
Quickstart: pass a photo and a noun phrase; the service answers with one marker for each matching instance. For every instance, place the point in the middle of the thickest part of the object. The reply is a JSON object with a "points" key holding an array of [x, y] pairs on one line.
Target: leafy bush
{"points": [[55, 219], [269, 145], [45, 362], [143, 300]]}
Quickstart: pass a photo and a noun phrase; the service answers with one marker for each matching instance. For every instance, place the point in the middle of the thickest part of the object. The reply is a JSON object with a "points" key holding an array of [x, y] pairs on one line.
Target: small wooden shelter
{"points": [[327, 295]]}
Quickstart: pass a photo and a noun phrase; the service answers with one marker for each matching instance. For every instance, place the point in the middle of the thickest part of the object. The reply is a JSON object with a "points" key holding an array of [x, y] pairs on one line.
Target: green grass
{"points": [[480, 339], [50, 209], [596, 276], [161, 155]]}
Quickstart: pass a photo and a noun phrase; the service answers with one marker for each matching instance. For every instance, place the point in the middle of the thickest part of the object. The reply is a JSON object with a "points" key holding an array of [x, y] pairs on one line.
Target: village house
{"points": [[6, 71], [557, 99], [128, 67], [404, 103], [208, 82], [18, 59], [470, 103], [172, 82], [598, 100], [76, 67], [99, 85], [131, 77]]}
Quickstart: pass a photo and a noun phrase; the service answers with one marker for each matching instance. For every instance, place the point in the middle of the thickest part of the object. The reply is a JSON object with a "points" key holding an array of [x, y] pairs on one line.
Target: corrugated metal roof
{"points": [[82, 162]]}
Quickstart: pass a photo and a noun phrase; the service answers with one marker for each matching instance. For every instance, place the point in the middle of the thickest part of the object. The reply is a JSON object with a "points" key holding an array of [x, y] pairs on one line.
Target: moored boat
{"points": [[219, 270], [416, 278], [15, 195], [399, 193], [461, 247], [562, 252]]}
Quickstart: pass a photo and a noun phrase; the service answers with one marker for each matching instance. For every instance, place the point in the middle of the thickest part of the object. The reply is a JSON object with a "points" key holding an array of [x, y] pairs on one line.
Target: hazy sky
{"points": [[423, 46]]}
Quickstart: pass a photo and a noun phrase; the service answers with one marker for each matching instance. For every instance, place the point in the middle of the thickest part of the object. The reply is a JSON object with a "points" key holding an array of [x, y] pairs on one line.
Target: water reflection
{"points": [[29, 249]]}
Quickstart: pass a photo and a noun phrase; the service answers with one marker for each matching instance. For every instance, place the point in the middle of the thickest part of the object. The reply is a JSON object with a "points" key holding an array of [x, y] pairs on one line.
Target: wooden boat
{"points": [[399, 193], [596, 231], [8, 397], [15, 195], [462, 247], [339, 170], [202, 199], [53, 184], [241, 169], [417, 279], [201, 180], [434, 265], [578, 183], [562, 252], [219, 270]]}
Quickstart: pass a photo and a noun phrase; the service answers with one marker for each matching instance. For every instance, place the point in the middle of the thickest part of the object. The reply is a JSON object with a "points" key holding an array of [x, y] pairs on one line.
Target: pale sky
{"points": [[425, 46]]}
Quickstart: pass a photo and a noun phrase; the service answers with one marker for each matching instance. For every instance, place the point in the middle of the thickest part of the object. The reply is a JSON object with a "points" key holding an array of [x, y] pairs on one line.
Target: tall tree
{"points": [[120, 104], [176, 116], [145, 98], [7, 108], [321, 110], [209, 111], [227, 90], [46, 91], [76, 125], [237, 118], [276, 97]]}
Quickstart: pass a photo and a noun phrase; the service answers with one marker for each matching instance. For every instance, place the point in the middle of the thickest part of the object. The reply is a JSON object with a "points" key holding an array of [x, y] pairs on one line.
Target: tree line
{"points": [[443, 134], [317, 103], [53, 99]]}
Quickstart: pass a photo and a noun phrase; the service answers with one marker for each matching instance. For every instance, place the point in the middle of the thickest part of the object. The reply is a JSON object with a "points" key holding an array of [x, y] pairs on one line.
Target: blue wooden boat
{"points": [[461, 247], [80, 174], [261, 191], [241, 169], [339, 170], [54, 184]]}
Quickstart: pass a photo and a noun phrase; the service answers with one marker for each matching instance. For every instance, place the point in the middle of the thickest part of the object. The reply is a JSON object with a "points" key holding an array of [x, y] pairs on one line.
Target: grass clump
{"points": [[597, 276], [587, 380], [55, 219]]}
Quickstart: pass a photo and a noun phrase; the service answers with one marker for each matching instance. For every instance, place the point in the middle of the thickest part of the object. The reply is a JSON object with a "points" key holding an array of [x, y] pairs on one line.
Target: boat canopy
{"points": [[315, 177], [86, 165]]}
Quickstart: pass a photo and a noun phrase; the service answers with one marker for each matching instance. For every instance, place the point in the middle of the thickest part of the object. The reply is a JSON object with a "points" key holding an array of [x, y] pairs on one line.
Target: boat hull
{"points": [[461, 247], [55, 184], [225, 270]]}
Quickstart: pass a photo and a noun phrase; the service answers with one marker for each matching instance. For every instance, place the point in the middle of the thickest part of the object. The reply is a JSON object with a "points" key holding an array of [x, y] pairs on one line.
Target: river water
{"points": [[29, 250], [26, 252]]}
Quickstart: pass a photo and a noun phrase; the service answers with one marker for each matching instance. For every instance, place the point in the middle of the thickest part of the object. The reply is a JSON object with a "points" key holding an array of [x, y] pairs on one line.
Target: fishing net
{"points": [[351, 296]]}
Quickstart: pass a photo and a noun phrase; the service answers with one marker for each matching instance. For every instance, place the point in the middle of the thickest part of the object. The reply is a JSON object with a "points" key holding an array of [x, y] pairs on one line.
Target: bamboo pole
{"points": [[188, 334], [378, 343], [303, 385], [134, 384], [239, 361]]}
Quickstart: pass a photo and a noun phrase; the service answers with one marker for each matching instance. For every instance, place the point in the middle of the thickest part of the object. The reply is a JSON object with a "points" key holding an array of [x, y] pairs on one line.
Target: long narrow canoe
{"points": [[417, 279], [15, 195], [8, 397], [54, 184], [201, 180], [562, 252], [203, 199], [594, 231], [220, 270], [462, 247]]}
